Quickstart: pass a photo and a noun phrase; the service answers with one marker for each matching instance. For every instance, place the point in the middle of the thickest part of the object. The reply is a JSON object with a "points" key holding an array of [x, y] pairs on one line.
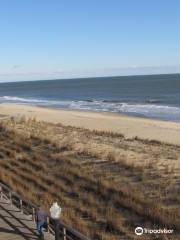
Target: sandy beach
{"points": [[168, 132]]}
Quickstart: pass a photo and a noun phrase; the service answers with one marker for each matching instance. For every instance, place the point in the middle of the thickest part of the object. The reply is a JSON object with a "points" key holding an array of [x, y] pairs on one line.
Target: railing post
{"points": [[48, 225], [1, 194], [10, 197], [64, 233], [21, 205], [56, 229], [33, 214]]}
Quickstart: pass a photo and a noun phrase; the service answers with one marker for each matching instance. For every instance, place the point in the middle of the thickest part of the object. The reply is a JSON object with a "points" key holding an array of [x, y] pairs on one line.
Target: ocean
{"points": [[150, 96]]}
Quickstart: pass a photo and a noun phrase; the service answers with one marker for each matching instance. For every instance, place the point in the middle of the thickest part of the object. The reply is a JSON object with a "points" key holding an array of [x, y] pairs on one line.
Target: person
{"points": [[41, 220]]}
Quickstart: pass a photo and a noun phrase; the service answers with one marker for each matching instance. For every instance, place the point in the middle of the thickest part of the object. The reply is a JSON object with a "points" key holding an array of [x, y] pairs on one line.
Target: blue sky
{"points": [[44, 39]]}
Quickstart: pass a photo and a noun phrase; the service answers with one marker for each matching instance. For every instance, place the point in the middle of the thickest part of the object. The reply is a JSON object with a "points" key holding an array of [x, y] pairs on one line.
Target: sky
{"points": [[50, 39]]}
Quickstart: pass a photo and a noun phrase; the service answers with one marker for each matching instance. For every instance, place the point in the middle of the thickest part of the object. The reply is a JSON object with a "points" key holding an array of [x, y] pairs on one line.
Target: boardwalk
{"points": [[16, 226]]}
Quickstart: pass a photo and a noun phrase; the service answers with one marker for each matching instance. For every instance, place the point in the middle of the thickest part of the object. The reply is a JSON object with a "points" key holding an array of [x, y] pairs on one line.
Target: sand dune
{"points": [[107, 184]]}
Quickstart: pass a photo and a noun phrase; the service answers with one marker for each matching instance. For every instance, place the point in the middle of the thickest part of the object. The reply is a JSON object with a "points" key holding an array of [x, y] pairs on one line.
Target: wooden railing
{"points": [[28, 208]]}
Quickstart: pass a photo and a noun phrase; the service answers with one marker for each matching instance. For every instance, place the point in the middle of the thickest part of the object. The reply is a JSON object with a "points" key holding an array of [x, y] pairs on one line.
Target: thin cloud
{"points": [[16, 66]]}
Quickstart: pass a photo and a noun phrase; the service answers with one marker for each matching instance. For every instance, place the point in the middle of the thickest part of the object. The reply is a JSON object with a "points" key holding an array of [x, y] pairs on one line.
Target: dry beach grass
{"points": [[107, 184]]}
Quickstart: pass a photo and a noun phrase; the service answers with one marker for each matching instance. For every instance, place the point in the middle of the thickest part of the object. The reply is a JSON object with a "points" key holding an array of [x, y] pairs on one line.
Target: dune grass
{"points": [[106, 184]]}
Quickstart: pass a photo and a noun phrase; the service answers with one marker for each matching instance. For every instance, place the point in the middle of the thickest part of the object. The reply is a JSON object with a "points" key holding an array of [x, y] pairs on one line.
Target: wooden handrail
{"points": [[28, 207]]}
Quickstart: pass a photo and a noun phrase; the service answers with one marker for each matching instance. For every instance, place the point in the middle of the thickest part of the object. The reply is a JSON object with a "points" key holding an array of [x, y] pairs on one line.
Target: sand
{"points": [[165, 131]]}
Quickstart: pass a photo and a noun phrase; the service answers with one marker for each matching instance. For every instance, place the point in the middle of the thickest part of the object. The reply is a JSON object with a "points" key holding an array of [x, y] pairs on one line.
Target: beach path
{"points": [[15, 225]]}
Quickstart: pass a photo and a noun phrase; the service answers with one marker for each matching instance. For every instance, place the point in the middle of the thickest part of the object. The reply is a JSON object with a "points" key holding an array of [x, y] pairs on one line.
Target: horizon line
{"points": [[74, 78]]}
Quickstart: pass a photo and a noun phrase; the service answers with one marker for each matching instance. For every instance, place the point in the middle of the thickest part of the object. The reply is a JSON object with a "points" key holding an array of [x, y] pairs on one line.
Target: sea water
{"points": [[150, 96]]}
